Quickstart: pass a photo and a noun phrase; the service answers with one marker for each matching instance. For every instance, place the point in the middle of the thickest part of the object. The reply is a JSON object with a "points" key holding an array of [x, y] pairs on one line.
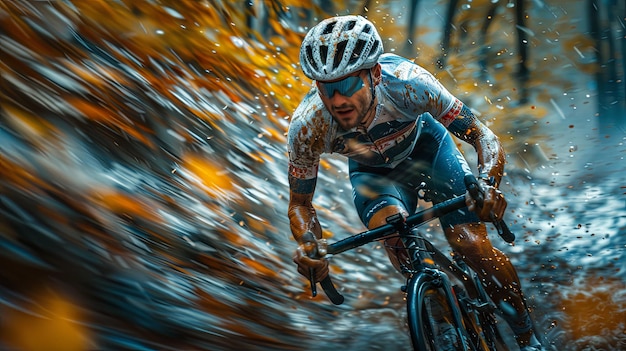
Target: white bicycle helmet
{"points": [[339, 46]]}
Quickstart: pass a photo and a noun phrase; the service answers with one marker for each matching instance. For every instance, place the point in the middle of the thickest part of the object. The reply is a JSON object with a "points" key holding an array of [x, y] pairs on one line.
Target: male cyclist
{"points": [[393, 120]]}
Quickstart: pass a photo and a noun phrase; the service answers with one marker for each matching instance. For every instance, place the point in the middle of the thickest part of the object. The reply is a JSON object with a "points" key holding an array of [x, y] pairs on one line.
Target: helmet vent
{"points": [[349, 25], [309, 56], [329, 28], [356, 53], [374, 48], [324, 53], [341, 48]]}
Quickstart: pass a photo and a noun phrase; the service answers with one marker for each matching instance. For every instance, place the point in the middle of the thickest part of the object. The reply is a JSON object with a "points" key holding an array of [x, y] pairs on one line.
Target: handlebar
{"points": [[399, 223]]}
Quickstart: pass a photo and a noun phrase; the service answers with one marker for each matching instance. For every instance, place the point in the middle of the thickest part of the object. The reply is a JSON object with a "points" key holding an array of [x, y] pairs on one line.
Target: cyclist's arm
{"points": [[427, 94], [491, 156], [302, 215], [304, 157], [303, 219]]}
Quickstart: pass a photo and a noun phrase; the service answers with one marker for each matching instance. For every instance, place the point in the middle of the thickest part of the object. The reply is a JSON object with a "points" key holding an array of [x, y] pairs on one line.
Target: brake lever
{"points": [[327, 283], [310, 245], [472, 186]]}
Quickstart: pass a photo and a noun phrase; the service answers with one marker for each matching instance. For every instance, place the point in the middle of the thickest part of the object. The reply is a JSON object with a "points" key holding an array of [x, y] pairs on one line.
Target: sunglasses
{"points": [[346, 87]]}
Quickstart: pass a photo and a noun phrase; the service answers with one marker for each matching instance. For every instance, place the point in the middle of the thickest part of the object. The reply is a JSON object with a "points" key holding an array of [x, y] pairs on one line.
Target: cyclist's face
{"points": [[348, 99]]}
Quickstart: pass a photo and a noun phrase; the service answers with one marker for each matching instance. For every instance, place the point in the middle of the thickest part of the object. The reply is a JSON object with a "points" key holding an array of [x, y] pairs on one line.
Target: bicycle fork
{"points": [[425, 276], [429, 278]]}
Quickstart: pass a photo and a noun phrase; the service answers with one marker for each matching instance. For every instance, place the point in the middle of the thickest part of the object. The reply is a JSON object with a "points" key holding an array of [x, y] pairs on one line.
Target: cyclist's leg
{"points": [[468, 237], [376, 197]]}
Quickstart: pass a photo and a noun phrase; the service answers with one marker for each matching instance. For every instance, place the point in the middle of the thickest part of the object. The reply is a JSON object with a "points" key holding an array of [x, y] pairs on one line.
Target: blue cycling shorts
{"points": [[435, 160]]}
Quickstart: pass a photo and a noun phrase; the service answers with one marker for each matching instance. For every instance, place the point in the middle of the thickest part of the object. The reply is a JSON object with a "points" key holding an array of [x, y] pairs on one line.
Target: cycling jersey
{"points": [[407, 91], [435, 160]]}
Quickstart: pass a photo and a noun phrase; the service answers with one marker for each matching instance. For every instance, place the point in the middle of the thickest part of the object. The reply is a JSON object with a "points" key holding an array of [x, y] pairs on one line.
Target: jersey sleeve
{"points": [[418, 91]]}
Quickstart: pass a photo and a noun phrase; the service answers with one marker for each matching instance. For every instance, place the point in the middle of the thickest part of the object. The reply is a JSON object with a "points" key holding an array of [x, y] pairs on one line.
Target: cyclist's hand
{"points": [[310, 258], [493, 203]]}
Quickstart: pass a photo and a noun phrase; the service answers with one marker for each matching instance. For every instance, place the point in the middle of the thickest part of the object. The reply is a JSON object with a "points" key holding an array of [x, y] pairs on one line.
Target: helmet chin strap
{"points": [[361, 123]]}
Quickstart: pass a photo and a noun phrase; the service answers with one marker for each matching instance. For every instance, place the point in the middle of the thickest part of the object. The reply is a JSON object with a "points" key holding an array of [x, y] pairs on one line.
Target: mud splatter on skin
{"points": [[310, 140]]}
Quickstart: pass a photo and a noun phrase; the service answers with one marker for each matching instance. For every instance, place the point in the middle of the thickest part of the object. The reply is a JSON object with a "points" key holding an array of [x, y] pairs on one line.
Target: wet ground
{"points": [[143, 189]]}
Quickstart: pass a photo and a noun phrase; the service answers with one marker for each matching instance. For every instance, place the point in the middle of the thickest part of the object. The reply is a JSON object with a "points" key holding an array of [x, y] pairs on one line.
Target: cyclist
{"points": [[393, 119]]}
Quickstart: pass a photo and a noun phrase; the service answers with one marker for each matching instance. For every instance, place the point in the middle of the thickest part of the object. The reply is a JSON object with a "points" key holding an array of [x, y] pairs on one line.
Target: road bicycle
{"points": [[447, 306]]}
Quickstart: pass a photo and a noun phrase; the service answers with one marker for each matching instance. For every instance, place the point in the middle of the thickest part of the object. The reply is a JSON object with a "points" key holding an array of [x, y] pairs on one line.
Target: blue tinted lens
{"points": [[346, 87]]}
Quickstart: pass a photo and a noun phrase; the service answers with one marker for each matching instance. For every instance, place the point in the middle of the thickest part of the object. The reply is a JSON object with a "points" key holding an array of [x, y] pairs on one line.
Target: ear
{"points": [[377, 74]]}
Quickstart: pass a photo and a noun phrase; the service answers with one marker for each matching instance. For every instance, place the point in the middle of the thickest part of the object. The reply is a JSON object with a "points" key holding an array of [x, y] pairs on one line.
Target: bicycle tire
{"points": [[428, 316]]}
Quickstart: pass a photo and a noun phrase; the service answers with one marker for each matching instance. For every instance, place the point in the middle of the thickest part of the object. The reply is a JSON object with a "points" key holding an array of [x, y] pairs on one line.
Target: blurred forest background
{"points": [[143, 167]]}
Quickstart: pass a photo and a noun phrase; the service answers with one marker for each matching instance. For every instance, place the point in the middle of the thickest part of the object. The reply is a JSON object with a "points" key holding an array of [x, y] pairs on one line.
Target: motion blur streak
{"points": [[50, 324]]}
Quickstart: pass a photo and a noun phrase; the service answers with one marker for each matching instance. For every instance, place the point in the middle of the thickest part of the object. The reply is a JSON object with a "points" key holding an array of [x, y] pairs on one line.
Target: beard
{"points": [[350, 116]]}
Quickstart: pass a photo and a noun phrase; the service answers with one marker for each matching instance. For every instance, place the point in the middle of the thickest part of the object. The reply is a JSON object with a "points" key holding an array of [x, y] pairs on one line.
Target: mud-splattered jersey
{"points": [[406, 92]]}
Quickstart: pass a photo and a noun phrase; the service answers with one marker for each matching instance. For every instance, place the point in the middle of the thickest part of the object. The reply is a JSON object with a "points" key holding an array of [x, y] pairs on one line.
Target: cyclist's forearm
{"points": [[302, 219], [302, 215], [491, 156]]}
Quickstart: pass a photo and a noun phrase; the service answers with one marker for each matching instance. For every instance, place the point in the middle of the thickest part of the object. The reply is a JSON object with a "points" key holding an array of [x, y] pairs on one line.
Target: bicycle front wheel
{"points": [[430, 317]]}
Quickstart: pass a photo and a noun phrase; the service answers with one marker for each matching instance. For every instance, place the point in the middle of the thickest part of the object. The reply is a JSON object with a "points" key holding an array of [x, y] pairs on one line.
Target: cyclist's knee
{"points": [[470, 240], [380, 216]]}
